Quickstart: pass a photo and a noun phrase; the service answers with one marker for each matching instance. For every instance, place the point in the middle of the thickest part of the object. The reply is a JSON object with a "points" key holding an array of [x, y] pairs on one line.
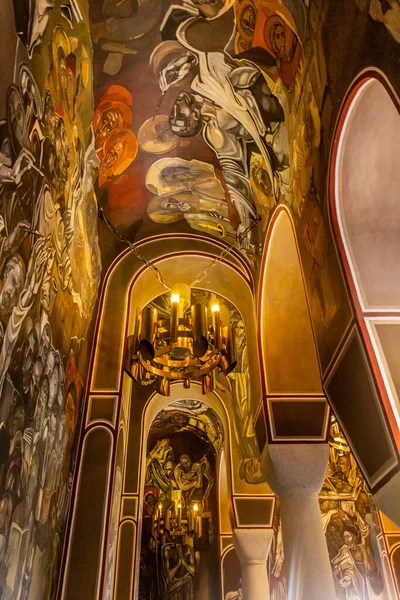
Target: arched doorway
{"points": [[179, 542]]}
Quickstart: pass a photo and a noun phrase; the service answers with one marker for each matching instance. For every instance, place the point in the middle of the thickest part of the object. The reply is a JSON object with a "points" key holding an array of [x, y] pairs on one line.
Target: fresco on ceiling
{"points": [[50, 271], [180, 523], [116, 145], [386, 12], [226, 111]]}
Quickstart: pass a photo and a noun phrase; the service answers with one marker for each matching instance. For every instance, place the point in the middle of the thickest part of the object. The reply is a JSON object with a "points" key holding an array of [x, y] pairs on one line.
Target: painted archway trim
{"points": [[362, 313], [137, 272]]}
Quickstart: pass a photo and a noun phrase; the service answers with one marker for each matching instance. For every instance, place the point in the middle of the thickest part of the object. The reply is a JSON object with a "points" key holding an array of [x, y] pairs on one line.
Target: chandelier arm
{"points": [[177, 374]]}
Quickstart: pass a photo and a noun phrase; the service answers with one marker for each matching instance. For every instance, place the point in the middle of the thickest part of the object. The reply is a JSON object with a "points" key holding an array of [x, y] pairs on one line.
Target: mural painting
{"points": [[201, 117], [351, 524], [235, 387], [49, 272], [227, 128], [352, 528], [387, 13], [180, 523], [232, 576], [276, 568]]}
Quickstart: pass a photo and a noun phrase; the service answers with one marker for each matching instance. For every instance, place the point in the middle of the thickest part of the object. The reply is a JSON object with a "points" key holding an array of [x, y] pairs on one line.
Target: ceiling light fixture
{"points": [[188, 345]]}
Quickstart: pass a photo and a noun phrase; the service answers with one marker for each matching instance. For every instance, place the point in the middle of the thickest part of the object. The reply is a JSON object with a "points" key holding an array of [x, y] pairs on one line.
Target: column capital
{"points": [[296, 469], [252, 545]]}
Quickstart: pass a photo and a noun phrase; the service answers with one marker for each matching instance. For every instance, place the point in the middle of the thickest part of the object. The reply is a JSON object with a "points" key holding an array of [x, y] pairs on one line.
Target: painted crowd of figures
{"points": [[232, 78], [49, 273], [178, 522]]}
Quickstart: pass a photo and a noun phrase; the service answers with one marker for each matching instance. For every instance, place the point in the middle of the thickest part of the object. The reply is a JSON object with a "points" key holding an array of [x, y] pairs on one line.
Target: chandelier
{"points": [[189, 345]]}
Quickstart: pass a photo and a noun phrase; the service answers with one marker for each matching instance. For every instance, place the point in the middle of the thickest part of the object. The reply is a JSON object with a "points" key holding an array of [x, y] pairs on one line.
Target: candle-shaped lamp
{"points": [[167, 521], [216, 324], [175, 298], [196, 518], [179, 516]]}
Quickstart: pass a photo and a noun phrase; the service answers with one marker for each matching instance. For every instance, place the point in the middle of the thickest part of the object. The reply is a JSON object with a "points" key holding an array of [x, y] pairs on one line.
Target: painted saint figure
{"points": [[230, 103], [179, 564]]}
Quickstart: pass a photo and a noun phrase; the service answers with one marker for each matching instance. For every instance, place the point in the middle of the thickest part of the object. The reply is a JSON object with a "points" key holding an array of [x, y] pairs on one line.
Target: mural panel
{"points": [[226, 128], [49, 271], [352, 525], [179, 556], [353, 533]]}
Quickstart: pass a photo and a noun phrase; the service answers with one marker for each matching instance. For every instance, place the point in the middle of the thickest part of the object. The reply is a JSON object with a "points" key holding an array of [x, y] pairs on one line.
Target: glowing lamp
{"points": [[175, 298]]}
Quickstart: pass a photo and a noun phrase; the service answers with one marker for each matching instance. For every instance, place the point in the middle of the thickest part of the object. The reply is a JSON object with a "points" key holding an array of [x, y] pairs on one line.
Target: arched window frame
{"points": [[363, 314]]}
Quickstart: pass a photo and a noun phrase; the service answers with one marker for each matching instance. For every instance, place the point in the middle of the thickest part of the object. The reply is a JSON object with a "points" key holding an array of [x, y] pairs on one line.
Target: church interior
{"points": [[200, 300]]}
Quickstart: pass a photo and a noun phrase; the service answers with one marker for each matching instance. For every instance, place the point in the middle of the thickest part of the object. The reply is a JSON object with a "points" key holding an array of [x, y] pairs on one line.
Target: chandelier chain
{"points": [[135, 251], [156, 270]]}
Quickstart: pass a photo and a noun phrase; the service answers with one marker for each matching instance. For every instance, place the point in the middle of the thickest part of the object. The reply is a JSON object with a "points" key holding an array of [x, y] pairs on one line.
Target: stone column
{"points": [[252, 547], [295, 473]]}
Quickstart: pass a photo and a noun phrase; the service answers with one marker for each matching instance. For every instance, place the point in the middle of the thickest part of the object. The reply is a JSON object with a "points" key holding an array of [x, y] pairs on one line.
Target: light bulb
{"points": [[175, 298], [179, 505], [215, 307], [160, 506], [195, 508]]}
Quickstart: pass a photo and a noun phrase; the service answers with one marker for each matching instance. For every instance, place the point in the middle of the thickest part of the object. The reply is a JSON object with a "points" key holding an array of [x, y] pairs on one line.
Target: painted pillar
{"points": [[252, 547], [387, 499], [295, 473]]}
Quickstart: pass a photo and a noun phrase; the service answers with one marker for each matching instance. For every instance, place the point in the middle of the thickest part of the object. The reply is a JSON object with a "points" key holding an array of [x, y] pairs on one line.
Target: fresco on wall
{"points": [[232, 583], [237, 386], [49, 272], [276, 568], [352, 528], [31, 19], [108, 593], [179, 532], [351, 525], [234, 388]]}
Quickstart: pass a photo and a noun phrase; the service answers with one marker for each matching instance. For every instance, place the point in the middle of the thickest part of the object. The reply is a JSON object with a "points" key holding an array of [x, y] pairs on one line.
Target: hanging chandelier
{"points": [[189, 345]]}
